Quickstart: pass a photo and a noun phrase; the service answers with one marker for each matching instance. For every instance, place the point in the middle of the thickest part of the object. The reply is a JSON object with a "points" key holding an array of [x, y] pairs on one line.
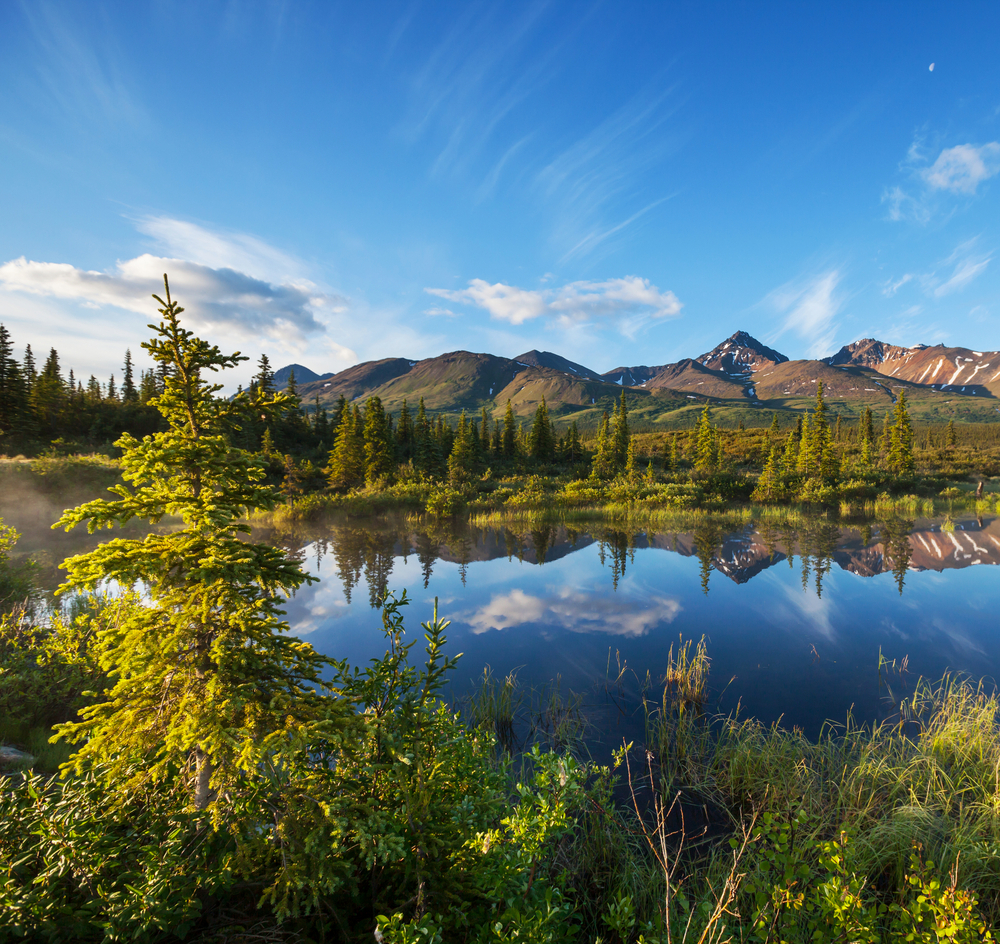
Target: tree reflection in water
{"points": [[367, 548]]}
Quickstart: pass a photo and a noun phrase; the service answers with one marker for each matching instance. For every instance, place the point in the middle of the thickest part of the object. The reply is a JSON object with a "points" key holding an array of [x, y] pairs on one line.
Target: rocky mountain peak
{"points": [[741, 353]]}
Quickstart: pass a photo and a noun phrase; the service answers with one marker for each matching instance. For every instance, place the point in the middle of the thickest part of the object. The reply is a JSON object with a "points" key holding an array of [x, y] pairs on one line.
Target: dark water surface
{"points": [[795, 618]]}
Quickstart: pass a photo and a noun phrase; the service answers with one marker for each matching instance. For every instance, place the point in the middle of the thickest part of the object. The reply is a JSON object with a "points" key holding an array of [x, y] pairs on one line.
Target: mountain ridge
{"points": [[740, 372]]}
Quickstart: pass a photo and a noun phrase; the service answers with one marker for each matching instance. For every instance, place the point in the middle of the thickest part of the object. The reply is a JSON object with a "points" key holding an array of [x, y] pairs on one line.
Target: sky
{"points": [[621, 183]]}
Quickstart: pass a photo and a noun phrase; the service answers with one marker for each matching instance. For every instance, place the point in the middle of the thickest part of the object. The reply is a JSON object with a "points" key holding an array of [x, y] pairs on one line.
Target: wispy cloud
{"points": [[810, 307], [957, 170], [894, 285], [575, 303], [963, 168], [79, 69], [966, 265], [219, 249]]}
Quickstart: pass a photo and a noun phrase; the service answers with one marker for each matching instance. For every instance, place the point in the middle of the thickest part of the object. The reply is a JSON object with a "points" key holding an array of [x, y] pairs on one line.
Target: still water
{"points": [[795, 618]]}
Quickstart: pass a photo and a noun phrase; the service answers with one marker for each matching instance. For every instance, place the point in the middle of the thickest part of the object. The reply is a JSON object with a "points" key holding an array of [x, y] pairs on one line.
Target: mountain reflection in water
{"points": [[796, 617], [368, 550]]}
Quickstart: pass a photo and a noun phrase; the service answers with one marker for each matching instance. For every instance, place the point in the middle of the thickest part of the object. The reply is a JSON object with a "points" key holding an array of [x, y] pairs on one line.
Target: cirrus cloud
{"points": [[574, 303]]}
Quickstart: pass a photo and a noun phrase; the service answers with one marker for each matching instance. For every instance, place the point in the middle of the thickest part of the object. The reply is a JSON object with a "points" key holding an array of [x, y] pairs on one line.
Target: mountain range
{"points": [[741, 376]]}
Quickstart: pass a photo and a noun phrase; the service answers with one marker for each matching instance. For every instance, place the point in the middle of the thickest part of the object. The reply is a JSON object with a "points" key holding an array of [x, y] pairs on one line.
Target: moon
{"points": [[931, 67]]}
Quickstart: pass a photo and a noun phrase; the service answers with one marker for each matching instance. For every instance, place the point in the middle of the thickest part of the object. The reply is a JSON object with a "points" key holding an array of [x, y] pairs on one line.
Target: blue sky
{"points": [[622, 183]]}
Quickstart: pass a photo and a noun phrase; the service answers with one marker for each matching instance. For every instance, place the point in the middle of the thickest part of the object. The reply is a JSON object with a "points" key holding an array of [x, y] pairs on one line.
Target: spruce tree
{"points": [[541, 445], [346, 468], [950, 438], [900, 458], [129, 393], [603, 466], [378, 452], [461, 460], [509, 433], [484, 434], [13, 391], [773, 429], [28, 371], [768, 486], [621, 435], [705, 448], [207, 688], [404, 433]]}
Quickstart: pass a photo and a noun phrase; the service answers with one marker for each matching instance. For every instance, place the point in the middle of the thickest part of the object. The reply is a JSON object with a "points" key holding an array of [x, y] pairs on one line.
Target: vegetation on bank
{"points": [[228, 783]]}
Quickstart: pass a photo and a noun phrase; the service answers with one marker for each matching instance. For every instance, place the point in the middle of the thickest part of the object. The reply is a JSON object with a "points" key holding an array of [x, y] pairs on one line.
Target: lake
{"points": [[795, 615], [795, 618]]}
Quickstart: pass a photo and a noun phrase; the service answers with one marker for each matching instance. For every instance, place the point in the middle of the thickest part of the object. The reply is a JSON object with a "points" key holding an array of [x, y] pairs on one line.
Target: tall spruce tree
{"points": [[705, 446], [541, 444], [206, 685], [379, 456], [900, 459], [462, 458], [129, 393], [346, 468], [509, 438]]}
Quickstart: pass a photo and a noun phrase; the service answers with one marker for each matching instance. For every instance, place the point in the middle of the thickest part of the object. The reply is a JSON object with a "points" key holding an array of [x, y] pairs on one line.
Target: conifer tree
{"points": [[13, 391], [404, 432], [28, 371], [129, 393], [807, 457], [346, 468], [574, 448], [47, 394], [461, 460], [773, 429], [705, 448], [603, 465], [263, 380], [205, 686], [790, 456], [484, 434], [900, 458], [509, 433], [621, 434], [112, 389], [768, 486], [379, 458], [951, 439], [541, 445]]}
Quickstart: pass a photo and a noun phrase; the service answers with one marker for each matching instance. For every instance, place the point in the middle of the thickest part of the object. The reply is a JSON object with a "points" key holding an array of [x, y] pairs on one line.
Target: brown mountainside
{"points": [[955, 369]]}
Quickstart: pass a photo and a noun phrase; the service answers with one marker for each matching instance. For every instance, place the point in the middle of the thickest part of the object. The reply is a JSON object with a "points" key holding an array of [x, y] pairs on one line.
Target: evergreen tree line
{"points": [[40, 405]]}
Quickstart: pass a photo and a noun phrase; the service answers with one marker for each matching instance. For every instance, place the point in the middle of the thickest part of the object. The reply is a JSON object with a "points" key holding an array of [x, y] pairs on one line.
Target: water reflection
{"points": [[368, 551]]}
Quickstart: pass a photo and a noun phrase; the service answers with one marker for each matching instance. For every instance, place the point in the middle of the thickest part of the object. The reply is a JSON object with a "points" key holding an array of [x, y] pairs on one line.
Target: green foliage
{"points": [[206, 686]]}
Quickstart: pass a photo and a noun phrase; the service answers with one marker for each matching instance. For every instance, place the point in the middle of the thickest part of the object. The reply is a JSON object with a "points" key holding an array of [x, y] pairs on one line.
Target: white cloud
{"points": [[962, 168], [964, 272], [966, 266], [574, 303], [810, 307], [576, 610], [891, 287], [903, 206], [440, 313], [212, 298], [957, 170]]}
